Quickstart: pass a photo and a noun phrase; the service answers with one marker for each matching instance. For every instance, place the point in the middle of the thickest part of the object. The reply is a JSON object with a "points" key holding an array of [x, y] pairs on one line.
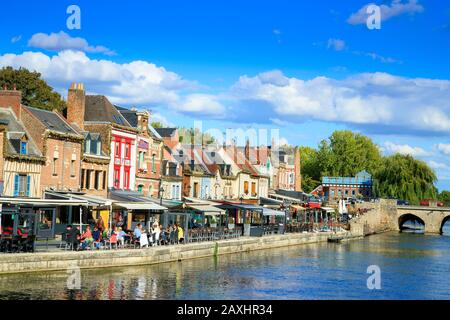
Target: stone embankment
{"points": [[62, 260]]}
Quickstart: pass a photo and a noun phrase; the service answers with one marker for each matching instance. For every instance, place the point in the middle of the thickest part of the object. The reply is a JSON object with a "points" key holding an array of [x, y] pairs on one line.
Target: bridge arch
{"points": [[447, 218], [409, 217]]}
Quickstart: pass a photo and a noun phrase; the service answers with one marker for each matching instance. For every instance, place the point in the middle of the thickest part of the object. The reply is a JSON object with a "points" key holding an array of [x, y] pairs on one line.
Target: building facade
{"points": [[335, 188]]}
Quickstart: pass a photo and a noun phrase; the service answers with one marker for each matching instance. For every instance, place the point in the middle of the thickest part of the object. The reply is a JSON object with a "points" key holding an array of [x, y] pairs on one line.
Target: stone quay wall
{"points": [[62, 260]]}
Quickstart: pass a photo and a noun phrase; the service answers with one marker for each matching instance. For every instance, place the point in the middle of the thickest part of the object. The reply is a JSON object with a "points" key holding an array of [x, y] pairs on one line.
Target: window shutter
{"points": [[28, 185], [16, 185]]}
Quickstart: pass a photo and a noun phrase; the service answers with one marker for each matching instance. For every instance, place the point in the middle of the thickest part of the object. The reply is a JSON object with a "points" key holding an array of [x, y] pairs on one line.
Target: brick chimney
{"points": [[11, 99], [297, 170], [76, 105], [142, 120], [3, 125], [247, 150]]}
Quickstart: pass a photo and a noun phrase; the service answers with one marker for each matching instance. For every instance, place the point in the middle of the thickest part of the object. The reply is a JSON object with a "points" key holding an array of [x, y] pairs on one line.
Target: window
{"points": [[83, 175], [87, 146], [54, 167], [127, 150], [254, 188], [195, 189], [117, 149], [99, 147], [104, 181], [88, 179], [97, 180], [141, 160], [153, 164], [117, 178], [72, 168], [23, 148], [21, 185], [126, 182]]}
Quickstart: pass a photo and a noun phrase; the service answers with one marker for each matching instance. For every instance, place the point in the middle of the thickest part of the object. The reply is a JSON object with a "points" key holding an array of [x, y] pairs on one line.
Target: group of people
{"points": [[157, 235], [100, 237]]}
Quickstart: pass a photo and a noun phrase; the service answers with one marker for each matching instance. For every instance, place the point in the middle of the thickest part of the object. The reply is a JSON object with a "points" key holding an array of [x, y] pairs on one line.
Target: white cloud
{"points": [[283, 142], [404, 149], [443, 148], [62, 41], [202, 104], [134, 83], [158, 117], [438, 165], [396, 8], [336, 44], [368, 99], [16, 39], [377, 57]]}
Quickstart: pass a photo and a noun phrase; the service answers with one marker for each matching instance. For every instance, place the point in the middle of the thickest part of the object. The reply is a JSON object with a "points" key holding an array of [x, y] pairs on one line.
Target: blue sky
{"points": [[306, 68]]}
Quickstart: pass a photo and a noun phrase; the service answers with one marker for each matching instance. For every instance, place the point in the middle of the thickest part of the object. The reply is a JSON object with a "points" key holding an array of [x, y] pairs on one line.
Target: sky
{"points": [[305, 68]]}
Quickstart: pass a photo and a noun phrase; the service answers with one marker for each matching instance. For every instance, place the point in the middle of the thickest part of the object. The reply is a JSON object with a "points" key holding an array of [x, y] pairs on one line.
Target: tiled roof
{"points": [[51, 120], [15, 132], [99, 108], [166, 132], [129, 115]]}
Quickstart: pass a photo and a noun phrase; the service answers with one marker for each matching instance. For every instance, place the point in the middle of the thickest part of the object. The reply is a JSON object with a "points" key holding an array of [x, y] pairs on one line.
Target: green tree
{"points": [[35, 91], [403, 177], [311, 175], [444, 196], [350, 153], [157, 124], [191, 135]]}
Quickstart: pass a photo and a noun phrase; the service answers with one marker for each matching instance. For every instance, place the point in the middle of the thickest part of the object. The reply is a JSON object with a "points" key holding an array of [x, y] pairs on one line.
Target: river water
{"points": [[413, 266]]}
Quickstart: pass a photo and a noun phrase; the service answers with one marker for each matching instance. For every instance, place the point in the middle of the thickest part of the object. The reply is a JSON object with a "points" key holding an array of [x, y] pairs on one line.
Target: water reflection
{"points": [[413, 267]]}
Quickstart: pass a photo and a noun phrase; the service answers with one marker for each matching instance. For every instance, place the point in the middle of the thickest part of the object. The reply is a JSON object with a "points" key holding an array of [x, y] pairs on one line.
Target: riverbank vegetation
{"points": [[346, 153]]}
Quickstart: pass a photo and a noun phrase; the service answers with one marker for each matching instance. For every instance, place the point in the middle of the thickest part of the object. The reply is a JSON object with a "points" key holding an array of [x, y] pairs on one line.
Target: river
{"points": [[413, 266]]}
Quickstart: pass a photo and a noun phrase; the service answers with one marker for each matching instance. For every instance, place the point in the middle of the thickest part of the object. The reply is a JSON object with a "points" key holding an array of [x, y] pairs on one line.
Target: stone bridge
{"points": [[433, 218], [385, 215]]}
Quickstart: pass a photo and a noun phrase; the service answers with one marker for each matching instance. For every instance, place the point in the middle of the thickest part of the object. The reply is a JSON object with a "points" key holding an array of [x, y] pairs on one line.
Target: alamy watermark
{"points": [[374, 19], [74, 278], [374, 280], [74, 20]]}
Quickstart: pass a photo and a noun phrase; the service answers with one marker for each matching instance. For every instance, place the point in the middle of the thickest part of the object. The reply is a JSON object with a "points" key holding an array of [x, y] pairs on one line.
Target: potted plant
{"points": [[231, 223], [213, 222]]}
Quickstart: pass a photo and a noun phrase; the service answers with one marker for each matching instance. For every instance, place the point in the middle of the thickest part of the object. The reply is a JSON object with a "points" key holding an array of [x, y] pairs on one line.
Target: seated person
{"points": [[73, 236], [97, 237], [137, 231], [121, 235], [86, 238]]}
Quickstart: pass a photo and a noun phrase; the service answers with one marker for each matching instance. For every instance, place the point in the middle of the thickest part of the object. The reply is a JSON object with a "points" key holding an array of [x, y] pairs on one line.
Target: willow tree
{"points": [[403, 177]]}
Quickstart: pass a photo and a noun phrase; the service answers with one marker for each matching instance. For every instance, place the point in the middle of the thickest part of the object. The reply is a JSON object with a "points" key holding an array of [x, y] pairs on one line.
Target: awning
{"points": [[271, 212], [140, 206], [299, 207], [207, 210], [43, 202], [92, 201]]}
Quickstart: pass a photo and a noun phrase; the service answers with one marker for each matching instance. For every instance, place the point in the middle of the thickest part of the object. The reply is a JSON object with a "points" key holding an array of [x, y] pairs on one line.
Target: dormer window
{"points": [[23, 147]]}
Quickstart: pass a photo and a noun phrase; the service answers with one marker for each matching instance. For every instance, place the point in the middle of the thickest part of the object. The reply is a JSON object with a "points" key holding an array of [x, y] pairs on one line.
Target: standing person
{"points": [[143, 240], [162, 235], [175, 236], [180, 234], [157, 231], [100, 224]]}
